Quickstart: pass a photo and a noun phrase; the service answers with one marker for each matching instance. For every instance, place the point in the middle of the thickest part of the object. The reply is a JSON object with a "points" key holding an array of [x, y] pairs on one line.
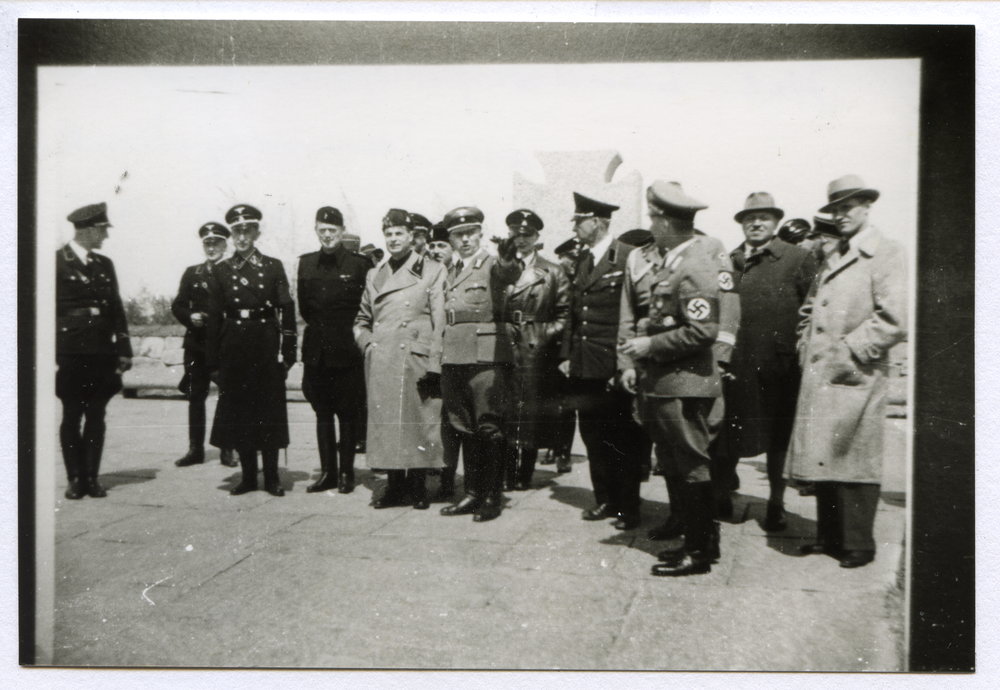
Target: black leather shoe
{"points": [[689, 564], [508, 485], [818, 549], [624, 524], [421, 504], [671, 555], [274, 489], [195, 456], [390, 500], [243, 487], [775, 519], [94, 488], [489, 509], [564, 463], [464, 507], [76, 490], [600, 512], [856, 559], [345, 484], [227, 459], [673, 528], [324, 483], [549, 458]]}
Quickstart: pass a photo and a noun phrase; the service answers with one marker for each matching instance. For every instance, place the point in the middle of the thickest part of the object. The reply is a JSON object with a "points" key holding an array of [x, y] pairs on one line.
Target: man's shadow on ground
{"points": [[112, 480]]}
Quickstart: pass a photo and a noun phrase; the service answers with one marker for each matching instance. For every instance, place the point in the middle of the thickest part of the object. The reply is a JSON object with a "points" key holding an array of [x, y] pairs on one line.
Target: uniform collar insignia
{"points": [[417, 268]]}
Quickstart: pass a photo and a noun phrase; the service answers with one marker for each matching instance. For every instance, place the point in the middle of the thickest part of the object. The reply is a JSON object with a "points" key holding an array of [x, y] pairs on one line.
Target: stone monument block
{"points": [[589, 173]]}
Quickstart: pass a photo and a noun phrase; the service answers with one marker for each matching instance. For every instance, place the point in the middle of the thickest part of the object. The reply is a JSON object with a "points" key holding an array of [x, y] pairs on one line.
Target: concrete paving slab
{"points": [[90, 515]]}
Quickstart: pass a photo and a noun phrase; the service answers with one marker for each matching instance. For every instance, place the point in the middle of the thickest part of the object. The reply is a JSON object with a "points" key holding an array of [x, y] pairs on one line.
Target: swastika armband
{"points": [[726, 282], [701, 309]]}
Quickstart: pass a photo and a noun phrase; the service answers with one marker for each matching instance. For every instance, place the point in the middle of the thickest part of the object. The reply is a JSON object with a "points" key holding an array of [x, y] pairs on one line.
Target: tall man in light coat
{"points": [[399, 331], [855, 312]]}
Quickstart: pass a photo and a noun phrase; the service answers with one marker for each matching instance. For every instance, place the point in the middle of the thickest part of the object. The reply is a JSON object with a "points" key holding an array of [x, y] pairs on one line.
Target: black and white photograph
{"points": [[495, 345]]}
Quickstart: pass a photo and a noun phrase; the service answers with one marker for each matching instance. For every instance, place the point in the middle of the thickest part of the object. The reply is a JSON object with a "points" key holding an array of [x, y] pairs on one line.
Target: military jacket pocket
{"points": [[476, 295]]}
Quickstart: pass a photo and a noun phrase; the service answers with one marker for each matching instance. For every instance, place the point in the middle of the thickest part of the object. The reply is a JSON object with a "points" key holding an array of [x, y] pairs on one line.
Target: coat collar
{"points": [[539, 268], [602, 265], [468, 265], [864, 244], [407, 275], [255, 259]]}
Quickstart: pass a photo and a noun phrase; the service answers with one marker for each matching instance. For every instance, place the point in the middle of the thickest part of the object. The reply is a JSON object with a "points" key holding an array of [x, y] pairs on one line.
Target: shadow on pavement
{"points": [[575, 496], [123, 477]]}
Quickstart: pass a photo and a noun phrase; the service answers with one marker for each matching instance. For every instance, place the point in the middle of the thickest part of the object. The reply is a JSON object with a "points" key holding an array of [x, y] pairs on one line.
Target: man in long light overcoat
{"points": [[855, 313], [399, 330]]}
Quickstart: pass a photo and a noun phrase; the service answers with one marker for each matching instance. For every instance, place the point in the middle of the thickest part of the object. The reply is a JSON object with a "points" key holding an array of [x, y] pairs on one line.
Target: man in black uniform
{"points": [[244, 339], [612, 437], [330, 284], [421, 232], [92, 346], [190, 307]]}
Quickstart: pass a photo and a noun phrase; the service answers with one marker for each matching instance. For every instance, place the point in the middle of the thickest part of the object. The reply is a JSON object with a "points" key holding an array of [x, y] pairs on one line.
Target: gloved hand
{"points": [[429, 385], [506, 249]]}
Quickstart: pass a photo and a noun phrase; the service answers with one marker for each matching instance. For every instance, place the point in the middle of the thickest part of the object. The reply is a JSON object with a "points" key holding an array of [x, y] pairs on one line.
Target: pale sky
{"points": [[194, 141]]}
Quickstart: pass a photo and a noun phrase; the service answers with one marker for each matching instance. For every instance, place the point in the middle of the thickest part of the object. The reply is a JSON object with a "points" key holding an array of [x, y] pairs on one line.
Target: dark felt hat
{"points": [[330, 216], [89, 216], [396, 218], [439, 233], [213, 230], [524, 218]]}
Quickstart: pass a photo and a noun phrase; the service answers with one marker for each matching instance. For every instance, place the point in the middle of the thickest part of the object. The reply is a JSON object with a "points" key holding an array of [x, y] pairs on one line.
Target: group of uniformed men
{"points": [[658, 338]]}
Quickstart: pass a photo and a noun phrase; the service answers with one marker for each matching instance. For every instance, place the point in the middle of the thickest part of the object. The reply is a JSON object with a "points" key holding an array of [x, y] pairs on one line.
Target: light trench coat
{"points": [[399, 328], [855, 312]]}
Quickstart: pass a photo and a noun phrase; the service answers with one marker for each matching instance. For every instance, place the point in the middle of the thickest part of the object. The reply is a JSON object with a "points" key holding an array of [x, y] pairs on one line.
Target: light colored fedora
{"points": [[759, 201], [847, 187]]}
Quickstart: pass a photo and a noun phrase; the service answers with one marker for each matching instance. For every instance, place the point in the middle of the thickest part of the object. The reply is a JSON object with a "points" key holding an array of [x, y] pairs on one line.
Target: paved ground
{"points": [[170, 570]]}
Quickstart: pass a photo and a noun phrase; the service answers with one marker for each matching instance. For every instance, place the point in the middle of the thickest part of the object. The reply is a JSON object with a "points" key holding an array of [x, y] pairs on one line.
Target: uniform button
{"points": [[820, 464], [819, 329], [406, 304], [585, 308], [815, 358], [824, 303], [261, 286], [584, 337], [402, 346], [584, 323], [404, 323], [376, 323]]}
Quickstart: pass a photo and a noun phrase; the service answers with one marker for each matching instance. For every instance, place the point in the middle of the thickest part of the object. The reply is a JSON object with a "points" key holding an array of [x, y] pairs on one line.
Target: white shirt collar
{"points": [[601, 247], [748, 250], [81, 253]]}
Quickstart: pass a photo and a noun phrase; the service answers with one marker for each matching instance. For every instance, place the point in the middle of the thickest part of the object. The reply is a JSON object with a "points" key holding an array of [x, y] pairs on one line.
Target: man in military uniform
{"points": [[537, 309], [476, 358], [92, 347], [330, 284], [190, 307], [605, 410], [673, 368], [247, 292], [666, 201], [439, 248], [421, 233]]}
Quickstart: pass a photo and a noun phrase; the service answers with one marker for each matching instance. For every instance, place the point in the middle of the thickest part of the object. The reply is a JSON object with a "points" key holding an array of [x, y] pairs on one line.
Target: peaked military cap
{"points": [[396, 217], [368, 249], [330, 216], [825, 226], [463, 217], [669, 198], [351, 242], [419, 223], [591, 208], [89, 216], [213, 230], [568, 247], [242, 214], [525, 218], [846, 187], [794, 230], [759, 201], [636, 238], [439, 233]]}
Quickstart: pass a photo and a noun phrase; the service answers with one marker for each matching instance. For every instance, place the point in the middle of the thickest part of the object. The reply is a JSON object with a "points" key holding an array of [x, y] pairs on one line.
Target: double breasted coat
{"points": [[245, 337], [855, 312], [399, 329], [537, 311], [761, 400]]}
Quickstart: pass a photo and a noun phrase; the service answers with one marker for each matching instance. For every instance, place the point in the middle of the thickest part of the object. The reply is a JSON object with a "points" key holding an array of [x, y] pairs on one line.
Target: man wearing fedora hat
{"points": [[93, 348], [774, 278], [190, 307], [855, 312]]}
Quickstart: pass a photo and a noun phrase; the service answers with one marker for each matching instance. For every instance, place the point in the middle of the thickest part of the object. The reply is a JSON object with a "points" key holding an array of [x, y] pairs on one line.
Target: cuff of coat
{"points": [[865, 351], [723, 350]]}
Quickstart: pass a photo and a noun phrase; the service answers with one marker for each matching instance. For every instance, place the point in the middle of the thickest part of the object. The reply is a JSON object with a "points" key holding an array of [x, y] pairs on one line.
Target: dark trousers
{"points": [[845, 515], [614, 444], [563, 430], [475, 397], [195, 386], [85, 384], [682, 433], [336, 392]]}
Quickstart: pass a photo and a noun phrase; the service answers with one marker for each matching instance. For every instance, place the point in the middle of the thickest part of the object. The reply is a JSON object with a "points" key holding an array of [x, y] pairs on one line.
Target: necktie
{"points": [[459, 265], [844, 246], [589, 261]]}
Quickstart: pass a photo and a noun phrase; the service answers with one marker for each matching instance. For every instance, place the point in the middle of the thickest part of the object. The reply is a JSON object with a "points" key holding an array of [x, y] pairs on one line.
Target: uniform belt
{"points": [[520, 317], [82, 311], [656, 330], [259, 313], [453, 317]]}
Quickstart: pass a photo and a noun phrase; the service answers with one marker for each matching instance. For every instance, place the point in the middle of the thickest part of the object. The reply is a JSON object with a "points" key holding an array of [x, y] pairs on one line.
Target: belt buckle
{"points": [[450, 317], [95, 311], [244, 313], [518, 317]]}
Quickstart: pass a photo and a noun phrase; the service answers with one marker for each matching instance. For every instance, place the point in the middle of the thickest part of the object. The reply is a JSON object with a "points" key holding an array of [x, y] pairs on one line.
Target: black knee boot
{"points": [[700, 538], [72, 452], [272, 484], [494, 451], [509, 466], [395, 492], [472, 464], [447, 488], [418, 488], [348, 448], [526, 469], [326, 440], [674, 526], [92, 458], [248, 462]]}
